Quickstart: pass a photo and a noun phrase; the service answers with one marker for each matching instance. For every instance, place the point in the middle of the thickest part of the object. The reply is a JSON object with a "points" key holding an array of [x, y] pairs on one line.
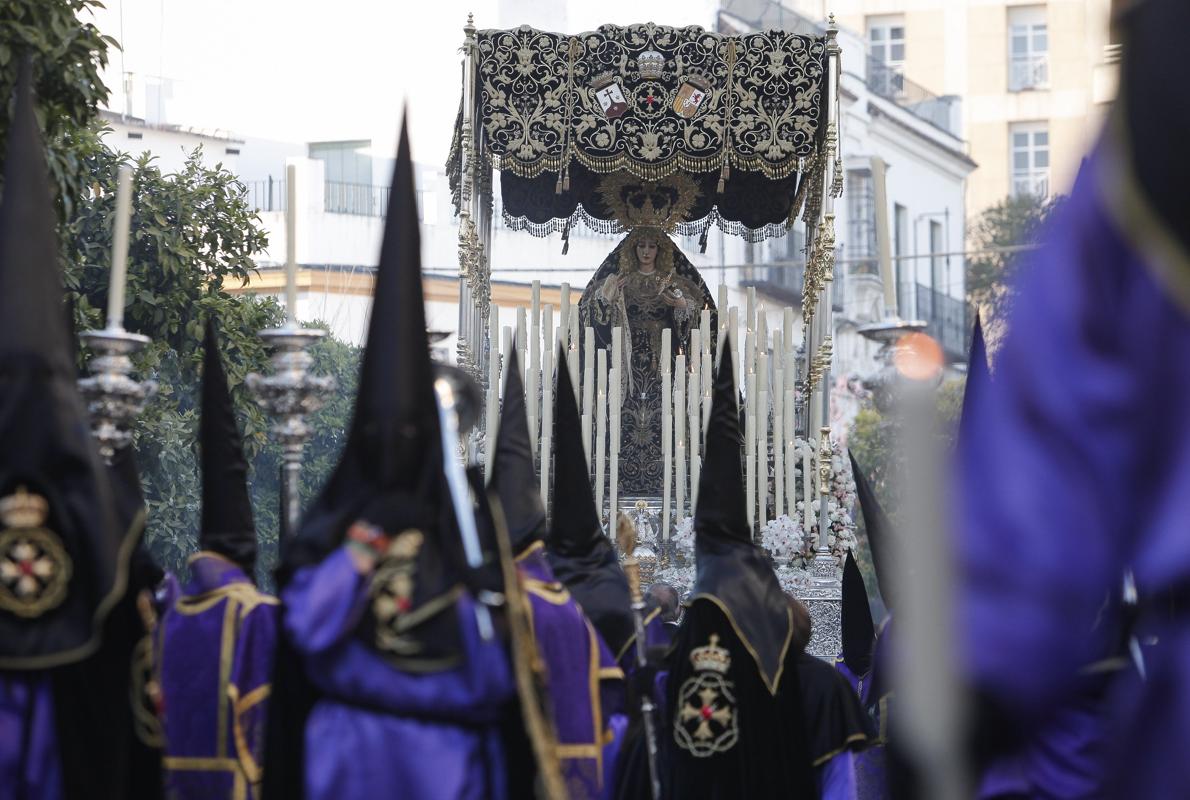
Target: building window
{"points": [[902, 267], [886, 52], [1028, 49], [937, 259], [791, 251], [861, 222], [1029, 146]]}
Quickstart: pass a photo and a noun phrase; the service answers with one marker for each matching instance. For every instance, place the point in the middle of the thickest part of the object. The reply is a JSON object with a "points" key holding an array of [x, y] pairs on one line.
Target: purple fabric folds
{"points": [[30, 766], [215, 662], [585, 684], [378, 731]]}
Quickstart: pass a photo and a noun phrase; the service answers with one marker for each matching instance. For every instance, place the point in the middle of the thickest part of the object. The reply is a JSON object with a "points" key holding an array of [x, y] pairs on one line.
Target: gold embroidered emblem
{"points": [[610, 95], [691, 95], [706, 721], [34, 567], [392, 594]]}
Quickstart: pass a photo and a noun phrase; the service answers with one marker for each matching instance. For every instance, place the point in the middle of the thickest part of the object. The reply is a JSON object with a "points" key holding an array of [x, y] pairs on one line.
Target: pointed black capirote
{"points": [[227, 526], [390, 472], [731, 571], [859, 632], [722, 504], [48, 460], [878, 529], [581, 557], [514, 478], [31, 296], [575, 529], [978, 374]]}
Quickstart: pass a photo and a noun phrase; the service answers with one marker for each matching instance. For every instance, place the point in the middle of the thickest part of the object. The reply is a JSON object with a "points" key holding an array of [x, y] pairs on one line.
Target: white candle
{"points": [[587, 438], [787, 323], [533, 382], [704, 327], [564, 315], [666, 451], [116, 291], [666, 335], [722, 302], [589, 391], [790, 456], [493, 390], [617, 364], [749, 353], [600, 427], [751, 319], [807, 481], [679, 412], [693, 398], [522, 338], [707, 375], [574, 354], [750, 472], [762, 453], [505, 346], [733, 327], [778, 442], [291, 243], [762, 328], [547, 419], [614, 456]]}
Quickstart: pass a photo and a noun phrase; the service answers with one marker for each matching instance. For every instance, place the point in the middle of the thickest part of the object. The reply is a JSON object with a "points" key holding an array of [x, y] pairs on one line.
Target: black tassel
{"points": [[566, 238], [558, 185], [702, 240]]}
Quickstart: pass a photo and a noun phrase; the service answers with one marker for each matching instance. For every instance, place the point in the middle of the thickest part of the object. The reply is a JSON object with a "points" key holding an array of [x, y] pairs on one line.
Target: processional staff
{"points": [[291, 392], [114, 398]]}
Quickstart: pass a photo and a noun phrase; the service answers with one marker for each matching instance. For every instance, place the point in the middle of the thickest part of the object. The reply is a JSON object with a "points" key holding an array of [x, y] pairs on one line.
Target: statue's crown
{"points": [[661, 204], [23, 509], [711, 656], [603, 80]]}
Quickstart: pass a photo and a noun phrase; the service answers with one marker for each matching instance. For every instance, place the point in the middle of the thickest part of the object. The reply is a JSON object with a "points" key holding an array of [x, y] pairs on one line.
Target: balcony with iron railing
{"points": [[359, 199], [945, 316]]}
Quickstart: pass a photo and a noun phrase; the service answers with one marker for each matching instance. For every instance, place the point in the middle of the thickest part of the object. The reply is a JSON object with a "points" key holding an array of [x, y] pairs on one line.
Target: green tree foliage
{"points": [[193, 241], [193, 237], [1011, 222], [66, 56]]}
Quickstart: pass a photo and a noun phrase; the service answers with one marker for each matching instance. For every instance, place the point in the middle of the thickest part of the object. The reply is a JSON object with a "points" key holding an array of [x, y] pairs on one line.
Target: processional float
{"points": [[645, 122]]}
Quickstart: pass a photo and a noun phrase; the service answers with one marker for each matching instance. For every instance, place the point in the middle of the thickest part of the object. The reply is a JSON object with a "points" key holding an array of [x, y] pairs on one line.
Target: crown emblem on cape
{"points": [[711, 657], [23, 509], [636, 203], [603, 80], [651, 64]]}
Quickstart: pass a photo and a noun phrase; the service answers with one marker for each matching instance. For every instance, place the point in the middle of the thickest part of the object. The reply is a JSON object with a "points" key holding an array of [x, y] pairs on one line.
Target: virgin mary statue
{"points": [[644, 286]]}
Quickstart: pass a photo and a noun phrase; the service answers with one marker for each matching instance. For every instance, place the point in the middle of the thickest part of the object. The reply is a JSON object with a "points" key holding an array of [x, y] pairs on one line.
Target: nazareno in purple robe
{"points": [[586, 686], [214, 666], [379, 731], [1076, 463], [30, 766]]}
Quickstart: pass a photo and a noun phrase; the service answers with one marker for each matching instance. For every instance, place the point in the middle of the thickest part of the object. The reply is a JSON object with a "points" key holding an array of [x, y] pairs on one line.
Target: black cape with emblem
{"points": [[581, 556], [391, 473], [735, 725], [78, 618]]}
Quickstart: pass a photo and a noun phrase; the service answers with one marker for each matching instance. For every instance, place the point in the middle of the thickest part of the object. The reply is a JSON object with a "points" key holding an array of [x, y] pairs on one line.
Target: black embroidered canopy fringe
{"points": [[555, 113]]}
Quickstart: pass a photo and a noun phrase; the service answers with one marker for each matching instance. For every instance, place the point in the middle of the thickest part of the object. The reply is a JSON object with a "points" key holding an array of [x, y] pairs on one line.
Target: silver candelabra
{"points": [[289, 395], [114, 398]]}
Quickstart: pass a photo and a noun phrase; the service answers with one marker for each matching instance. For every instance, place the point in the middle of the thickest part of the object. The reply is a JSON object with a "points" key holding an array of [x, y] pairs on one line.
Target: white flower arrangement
{"points": [[683, 539], [841, 535], [782, 538]]}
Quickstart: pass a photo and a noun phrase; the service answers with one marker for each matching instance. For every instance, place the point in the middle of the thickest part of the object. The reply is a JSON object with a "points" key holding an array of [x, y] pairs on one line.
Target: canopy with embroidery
{"points": [[742, 116]]}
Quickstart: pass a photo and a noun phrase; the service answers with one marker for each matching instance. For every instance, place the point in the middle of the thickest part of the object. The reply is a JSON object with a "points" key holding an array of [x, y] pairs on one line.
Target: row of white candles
{"points": [[769, 374]]}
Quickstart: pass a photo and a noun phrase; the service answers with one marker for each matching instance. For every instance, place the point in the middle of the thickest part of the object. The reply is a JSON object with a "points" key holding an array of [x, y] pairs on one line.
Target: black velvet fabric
{"points": [[772, 757], [878, 529], [580, 554], [835, 719], [227, 524], [859, 632], [729, 568], [45, 438], [1158, 121], [749, 198], [102, 755], [514, 478]]}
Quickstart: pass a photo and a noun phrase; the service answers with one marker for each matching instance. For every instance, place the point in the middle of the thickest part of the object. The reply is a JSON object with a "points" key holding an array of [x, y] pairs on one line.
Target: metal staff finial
{"points": [[114, 398], [289, 395]]}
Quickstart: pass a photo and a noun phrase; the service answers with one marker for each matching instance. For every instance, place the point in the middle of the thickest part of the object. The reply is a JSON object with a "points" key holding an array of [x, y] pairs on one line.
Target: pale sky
{"points": [[309, 70]]}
